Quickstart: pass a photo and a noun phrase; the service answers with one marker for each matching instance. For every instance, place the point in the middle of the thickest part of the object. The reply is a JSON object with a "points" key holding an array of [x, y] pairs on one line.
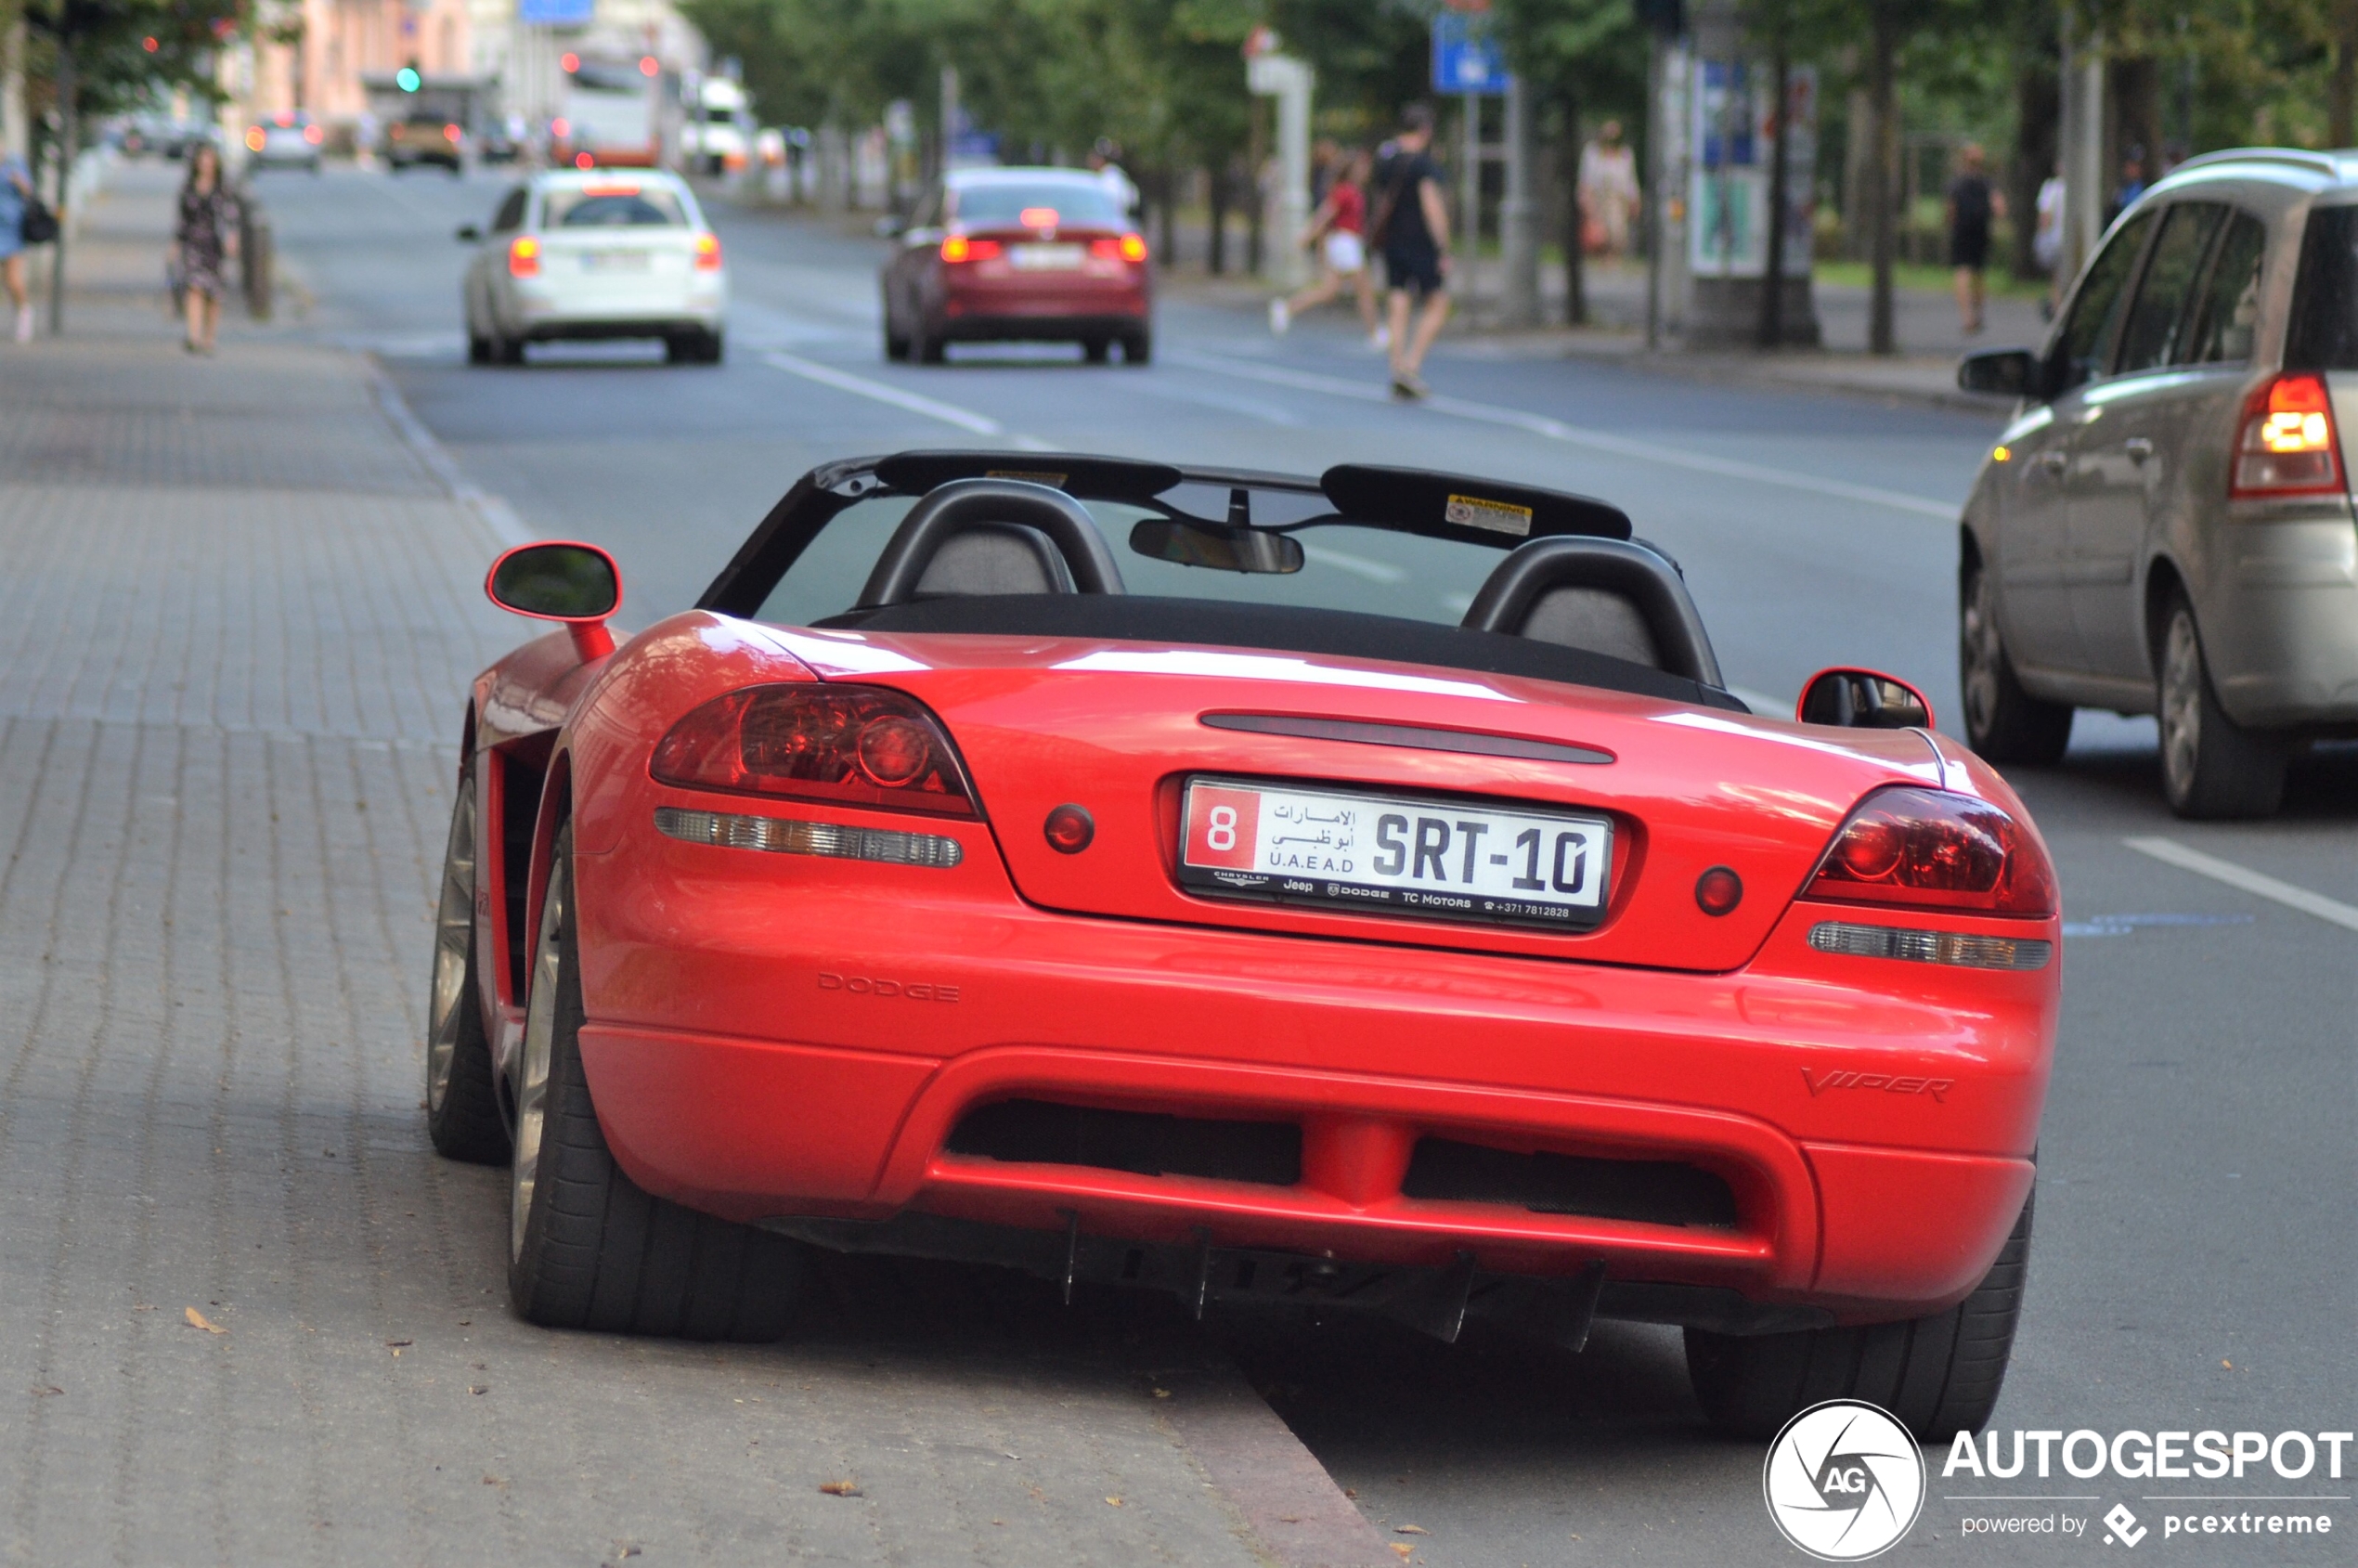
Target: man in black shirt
{"points": [[1411, 225], [1971, 205]]}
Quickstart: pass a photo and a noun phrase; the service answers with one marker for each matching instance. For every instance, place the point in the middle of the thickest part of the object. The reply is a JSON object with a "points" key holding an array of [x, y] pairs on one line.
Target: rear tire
{"points": [[896, 349], [1138, 348], [2003, 723], [1096, 351], [588, 1248], [478, 349], [925, 347], [2210, 765], [462, 1103], [1938, 1375]]}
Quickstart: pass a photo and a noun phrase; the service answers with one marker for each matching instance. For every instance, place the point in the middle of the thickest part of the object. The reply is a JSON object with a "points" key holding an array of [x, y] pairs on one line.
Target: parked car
{"points": [[286, 140], [995, 254], [1048, 859], [596, 254], [425, 138], [2165, 527]]}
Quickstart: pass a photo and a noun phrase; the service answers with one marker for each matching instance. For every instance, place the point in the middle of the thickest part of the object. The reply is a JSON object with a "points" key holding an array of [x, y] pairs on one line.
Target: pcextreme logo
{"points": [[1844, 1481]]}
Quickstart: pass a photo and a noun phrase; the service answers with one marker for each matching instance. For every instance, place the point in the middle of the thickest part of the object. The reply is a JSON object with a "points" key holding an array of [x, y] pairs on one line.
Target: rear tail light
{"points": [[958, 249], [2287, 445], [846, 746], [707, 253], [1129, 248], [1930, 848], [314, 135], [524, 256], [450, 133], [254, 138]]}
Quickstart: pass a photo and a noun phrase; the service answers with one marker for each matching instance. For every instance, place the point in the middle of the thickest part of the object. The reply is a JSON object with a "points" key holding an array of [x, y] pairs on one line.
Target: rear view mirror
{"points": [[1218, 547], [560, 580], [2003, 372], [1863, 699], [469, 234]]}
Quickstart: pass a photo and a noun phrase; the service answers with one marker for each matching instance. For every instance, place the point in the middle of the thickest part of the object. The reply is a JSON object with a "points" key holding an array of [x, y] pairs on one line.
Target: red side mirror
{"points": [[1863, 699], [561, 580]]}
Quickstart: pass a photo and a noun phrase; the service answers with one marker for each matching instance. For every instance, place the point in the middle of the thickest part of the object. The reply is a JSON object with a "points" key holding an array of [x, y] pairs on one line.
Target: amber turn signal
{"points": [[1070, 829]]}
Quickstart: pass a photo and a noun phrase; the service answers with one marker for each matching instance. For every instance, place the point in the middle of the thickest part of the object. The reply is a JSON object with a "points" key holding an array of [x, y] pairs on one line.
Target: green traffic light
{"points": [[405, 79]]}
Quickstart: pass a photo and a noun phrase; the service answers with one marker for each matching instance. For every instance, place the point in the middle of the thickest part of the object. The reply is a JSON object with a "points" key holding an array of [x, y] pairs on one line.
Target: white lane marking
{"points": [[1576, 436], [2171, 852], [883, 392], [1359, 566]]}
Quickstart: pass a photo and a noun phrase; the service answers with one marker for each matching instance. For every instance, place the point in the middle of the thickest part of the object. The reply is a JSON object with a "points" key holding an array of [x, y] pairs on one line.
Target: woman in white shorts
{"points": [[1339, 231]]}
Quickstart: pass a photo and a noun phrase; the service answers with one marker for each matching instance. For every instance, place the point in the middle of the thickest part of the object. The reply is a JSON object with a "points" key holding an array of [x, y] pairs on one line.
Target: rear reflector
{"points": [[783, 836], [2287, 444], [1930, 946]]}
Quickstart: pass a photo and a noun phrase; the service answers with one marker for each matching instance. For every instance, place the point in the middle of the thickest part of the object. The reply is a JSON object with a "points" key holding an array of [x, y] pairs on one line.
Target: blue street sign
{"points": [[557, 13], [1466, 58]]}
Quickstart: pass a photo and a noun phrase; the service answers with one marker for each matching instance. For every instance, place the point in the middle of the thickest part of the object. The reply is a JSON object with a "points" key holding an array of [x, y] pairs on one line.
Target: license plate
{"points": [[615, 261], [1045, 258], [1344, 849]]}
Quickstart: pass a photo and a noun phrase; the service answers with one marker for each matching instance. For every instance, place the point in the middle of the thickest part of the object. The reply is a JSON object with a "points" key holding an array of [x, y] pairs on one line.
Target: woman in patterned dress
{"points": [[205, 238]]}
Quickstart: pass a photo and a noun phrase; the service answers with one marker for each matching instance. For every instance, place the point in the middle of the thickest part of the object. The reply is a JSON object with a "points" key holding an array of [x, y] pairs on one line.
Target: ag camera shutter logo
{"points": [[1844, 1481]]}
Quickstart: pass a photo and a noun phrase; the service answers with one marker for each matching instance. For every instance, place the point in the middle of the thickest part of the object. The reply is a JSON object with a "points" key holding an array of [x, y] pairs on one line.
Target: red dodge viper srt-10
{"points": [[1359, 892]]}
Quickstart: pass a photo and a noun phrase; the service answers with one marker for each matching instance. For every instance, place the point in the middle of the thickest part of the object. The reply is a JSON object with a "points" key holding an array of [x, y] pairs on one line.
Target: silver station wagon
{"points": [[2165, 527]]}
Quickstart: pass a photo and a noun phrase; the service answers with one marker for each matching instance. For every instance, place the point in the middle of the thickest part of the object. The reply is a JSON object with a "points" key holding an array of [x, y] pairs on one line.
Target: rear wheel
{"points": [[925, 347], [1096, 351], [462, 1105], [588, 1247], [2002, 721], [1938, 1375], [2210, 765], [1138, 348], [478, 349], [895, 348]]}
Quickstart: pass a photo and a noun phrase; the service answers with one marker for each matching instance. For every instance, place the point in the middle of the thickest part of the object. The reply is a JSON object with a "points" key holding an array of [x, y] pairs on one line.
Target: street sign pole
{"points": [[1517, 216], [1469, 204]]}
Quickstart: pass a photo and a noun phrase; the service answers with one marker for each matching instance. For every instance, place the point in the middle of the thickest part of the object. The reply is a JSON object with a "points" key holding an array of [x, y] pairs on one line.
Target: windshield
{"points": [[614, 207], [1346, 566], [1073, 204]]}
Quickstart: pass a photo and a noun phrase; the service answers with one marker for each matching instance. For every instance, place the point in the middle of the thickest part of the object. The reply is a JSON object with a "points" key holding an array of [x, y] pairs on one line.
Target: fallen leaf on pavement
{"points": [[1113, 1502], [45, 1391], [198, 1320], [1350, 1491], [478, 1388], [1162, 1394], [1405, 1548], [840, 1488], [1411, 1530]]}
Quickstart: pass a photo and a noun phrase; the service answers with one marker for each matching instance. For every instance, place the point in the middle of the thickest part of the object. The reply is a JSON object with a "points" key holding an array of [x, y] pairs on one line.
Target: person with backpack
{"points": [[16, 199], [1411, 229]]}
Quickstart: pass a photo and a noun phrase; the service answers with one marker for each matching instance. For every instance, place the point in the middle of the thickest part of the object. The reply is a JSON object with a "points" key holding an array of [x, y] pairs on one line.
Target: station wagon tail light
{"points": [[845, 745], [2287, 445], [314, 135], [1933, 848], [1129, 248], [958, 249], [524, 256], [707, 253]]}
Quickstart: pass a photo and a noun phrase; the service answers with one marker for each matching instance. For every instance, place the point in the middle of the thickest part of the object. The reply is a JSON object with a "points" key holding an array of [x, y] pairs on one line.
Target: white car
{"points": [[596, 254]]}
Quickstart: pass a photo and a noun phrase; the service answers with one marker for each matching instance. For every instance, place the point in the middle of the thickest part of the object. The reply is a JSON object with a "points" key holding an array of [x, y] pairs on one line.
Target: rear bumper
{"points": [[2280, 618], [1872, 1121], [996, 324]]}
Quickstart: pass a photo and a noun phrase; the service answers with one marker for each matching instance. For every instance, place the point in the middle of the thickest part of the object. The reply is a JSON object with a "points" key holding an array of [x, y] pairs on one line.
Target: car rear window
{"points": [[2231, 302], [1074, 204], [2323, 332], [603, 207]]}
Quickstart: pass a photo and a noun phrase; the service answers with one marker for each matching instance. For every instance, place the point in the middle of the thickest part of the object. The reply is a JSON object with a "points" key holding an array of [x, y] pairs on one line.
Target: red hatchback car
{"points": [[1001, 254], [1360, 893]]}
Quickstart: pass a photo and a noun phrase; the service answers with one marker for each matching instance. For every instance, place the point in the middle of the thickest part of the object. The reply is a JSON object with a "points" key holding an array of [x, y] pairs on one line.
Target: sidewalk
{"points": [[253, 1319]]}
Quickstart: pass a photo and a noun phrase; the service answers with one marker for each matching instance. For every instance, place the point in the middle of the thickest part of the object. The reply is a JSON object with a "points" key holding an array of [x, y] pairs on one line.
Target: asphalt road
{"points": [[2194, 1267]]}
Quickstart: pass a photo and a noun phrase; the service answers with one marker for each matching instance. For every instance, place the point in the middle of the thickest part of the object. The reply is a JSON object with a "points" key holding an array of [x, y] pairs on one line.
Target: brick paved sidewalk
{"points": [[246, 1315]]}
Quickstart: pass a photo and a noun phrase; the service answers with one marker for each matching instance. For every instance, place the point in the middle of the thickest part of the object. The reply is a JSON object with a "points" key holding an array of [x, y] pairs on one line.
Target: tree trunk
{"points": [[2342, 92], [1166, 183], [1882, 168], [1772, 274], [69, 142], [1216, 182], [1575, 256], [2039, 119]]}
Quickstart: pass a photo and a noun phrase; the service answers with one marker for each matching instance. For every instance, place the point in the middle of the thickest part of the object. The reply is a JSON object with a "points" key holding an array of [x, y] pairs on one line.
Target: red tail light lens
{"points": [[958, 249], [1930, 848], [2287, 444], [1134, 247], [1130, 248], [524, 256], [848, 746], [707, 253]]}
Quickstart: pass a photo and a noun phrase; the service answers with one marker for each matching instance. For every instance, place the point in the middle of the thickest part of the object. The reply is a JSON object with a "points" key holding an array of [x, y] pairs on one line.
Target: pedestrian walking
{"points": [[16, 194], [1339, 234], [1411, 226], [1609, 193], [2133, 181], [1973, 204], [204, 240], [2047, 239], [1104, 161]]}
